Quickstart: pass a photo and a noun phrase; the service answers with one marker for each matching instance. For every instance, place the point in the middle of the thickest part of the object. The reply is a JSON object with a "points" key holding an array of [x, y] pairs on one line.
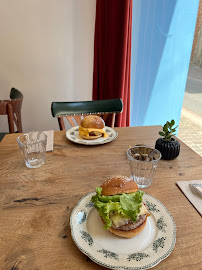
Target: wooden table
{"points": [[36, 203]]}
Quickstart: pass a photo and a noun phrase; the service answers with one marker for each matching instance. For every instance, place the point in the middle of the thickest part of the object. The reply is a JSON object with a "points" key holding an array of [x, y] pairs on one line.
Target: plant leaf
{"points": [[172, 122], [161, 133], [165, 128]]}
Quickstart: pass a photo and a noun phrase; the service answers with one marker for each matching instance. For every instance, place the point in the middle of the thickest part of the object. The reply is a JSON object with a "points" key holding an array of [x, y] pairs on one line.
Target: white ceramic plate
{"points": [[152, 245], [73, 135]]}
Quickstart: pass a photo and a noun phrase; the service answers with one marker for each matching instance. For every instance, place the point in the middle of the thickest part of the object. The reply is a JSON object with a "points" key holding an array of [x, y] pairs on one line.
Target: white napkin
{"points": [[50, 140], [191, 194]]}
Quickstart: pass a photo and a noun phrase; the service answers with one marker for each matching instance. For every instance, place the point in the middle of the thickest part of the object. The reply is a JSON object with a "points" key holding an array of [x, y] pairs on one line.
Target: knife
{"points": [[197, 188]]}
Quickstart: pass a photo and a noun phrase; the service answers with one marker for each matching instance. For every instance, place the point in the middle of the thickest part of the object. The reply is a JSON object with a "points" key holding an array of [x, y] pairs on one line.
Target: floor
{"points": [[190, 127], [191, 134]]}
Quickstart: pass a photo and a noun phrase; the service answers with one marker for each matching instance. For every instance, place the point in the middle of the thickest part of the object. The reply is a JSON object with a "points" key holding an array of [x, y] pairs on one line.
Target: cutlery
{"points": [[197, 188]]}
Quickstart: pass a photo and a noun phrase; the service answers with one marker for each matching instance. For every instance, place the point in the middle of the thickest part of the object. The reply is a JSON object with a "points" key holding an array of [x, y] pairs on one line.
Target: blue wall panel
{"points": [[162, 37]]}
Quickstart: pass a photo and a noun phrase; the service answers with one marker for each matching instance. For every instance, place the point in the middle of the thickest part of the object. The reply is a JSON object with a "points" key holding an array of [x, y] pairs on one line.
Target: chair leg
{"points": [[61, 123], [19, 120], [10, 118], [113, 119]]}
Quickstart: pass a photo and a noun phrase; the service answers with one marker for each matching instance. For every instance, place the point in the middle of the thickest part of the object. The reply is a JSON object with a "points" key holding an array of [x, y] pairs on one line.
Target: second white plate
{"points": [[73, 135]]}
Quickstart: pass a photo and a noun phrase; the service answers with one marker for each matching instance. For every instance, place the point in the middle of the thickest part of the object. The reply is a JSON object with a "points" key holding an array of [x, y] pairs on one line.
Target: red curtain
{"points": [[112, 54]]}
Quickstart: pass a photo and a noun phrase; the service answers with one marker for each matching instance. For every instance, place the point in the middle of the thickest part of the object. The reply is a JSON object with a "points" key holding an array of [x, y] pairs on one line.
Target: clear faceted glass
{"points": [[143, 161], [33, 146]]}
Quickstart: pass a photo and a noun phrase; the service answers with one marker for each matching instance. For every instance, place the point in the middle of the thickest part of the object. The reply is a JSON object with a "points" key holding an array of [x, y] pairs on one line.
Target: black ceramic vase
{"points": [[169, 150]]}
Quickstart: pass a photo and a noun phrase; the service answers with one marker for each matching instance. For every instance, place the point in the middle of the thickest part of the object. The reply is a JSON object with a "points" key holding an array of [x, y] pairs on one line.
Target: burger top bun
{"points": [[117, 185], [93, 121]]}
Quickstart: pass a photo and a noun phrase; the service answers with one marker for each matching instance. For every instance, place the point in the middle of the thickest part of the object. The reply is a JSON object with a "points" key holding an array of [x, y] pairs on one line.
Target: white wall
{"points": [[46, 51]]}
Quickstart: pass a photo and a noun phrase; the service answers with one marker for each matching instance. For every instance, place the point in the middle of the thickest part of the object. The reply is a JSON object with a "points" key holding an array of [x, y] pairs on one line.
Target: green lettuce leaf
{"points": [[128, 205]]}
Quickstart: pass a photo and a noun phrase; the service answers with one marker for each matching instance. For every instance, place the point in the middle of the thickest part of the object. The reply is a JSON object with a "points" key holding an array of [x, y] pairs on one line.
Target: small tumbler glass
{"points": [[33, 146], [143, 161]]}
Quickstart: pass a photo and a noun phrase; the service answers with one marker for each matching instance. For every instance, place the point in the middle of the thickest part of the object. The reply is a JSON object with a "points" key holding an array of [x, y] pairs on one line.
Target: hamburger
{"points": [[91, 128], [120, 206]]}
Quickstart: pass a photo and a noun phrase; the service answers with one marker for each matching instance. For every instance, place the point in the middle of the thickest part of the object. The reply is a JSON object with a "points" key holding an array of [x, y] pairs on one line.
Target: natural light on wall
{"points": [[162, 37]]}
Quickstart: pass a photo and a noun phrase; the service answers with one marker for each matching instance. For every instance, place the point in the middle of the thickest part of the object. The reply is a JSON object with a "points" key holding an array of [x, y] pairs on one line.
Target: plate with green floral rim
{"points": [[144, 251], [73, 135]]}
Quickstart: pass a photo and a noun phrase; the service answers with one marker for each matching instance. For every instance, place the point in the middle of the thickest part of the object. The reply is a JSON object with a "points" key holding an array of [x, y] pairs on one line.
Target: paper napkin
{"points": [[50, 140], [191, 194]]}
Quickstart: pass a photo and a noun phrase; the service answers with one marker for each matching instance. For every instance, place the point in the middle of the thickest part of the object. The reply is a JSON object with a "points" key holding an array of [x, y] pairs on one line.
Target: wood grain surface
{"points": [[35, 204]]}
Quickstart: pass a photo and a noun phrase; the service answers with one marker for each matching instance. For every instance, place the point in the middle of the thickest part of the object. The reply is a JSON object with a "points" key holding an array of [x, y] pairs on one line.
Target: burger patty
{"points": [[92, 133], [95, 133], [131, 225]]}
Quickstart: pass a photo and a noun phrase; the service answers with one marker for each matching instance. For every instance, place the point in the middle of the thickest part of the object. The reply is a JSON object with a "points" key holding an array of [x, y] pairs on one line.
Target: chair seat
{"points": [[2, 134]]}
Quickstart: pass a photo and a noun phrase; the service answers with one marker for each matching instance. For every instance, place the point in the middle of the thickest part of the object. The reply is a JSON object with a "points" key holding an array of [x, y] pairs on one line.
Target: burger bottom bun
{"points": [[92, 137], [129, 234]]}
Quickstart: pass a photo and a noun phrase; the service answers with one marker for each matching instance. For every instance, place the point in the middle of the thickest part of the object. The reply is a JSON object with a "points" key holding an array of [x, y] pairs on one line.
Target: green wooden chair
{"points": [[74, 112], [12, 108]]}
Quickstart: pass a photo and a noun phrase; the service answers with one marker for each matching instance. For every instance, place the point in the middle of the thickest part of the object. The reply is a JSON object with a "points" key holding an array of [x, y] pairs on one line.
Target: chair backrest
{"points": [[15, 94], [75, 111], [12, 108]]}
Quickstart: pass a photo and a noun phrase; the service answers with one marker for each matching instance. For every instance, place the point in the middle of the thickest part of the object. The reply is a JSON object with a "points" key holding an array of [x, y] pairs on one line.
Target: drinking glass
{"points": [[143, 161], [33, 146]]}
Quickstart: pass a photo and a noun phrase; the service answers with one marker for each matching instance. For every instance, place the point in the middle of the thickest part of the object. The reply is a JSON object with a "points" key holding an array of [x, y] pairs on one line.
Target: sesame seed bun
{"points": [[117, 185], [93, 121]]}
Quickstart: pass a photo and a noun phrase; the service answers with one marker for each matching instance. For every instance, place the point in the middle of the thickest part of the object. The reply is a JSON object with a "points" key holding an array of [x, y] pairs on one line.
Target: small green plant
{"points": [[168, 130]]}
